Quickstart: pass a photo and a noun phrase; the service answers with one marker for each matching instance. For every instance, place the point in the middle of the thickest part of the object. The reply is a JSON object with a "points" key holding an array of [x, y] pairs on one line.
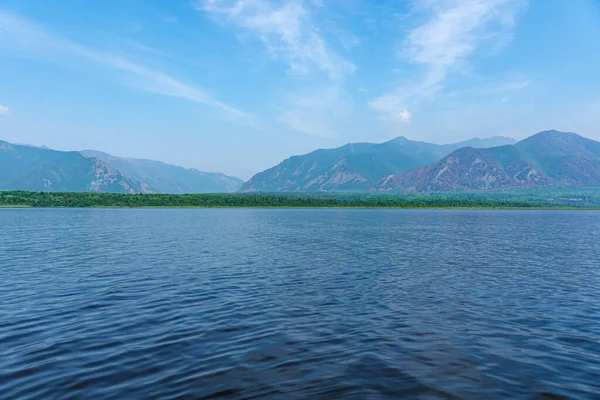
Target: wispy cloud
{"points": [[318, 112], [4, 111], [287, 31], [452, 32], [507, 86], [22, 35]]}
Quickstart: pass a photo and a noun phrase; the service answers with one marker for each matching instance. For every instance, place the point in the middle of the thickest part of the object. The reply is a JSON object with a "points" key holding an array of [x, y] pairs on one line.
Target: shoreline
{"points": [[533, 208], [24, 199]]}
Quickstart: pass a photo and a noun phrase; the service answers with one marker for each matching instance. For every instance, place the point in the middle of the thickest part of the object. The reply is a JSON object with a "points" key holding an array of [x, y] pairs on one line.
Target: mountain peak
{"points": [[27, 167], [480, 143], [554, 138], [549, 158], [352, 167], [167, 178], [555, 133], [553, 143]]}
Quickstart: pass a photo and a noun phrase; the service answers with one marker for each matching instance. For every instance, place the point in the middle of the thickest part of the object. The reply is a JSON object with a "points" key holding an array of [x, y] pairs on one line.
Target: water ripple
{"points": [[111, 304]]}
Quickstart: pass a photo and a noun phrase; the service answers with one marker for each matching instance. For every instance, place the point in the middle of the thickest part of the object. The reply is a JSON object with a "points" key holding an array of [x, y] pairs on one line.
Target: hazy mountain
{"points": [[166, 178], [482, 143], [548, 158], [25, 167], [41, 169], [354, 166]]}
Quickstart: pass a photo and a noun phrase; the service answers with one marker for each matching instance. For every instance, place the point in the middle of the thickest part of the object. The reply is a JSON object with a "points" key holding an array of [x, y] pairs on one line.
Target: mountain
{"points": [[483, 143], [549, 158], [41, 169], [354, 166], [35, 168], [166, 178]]}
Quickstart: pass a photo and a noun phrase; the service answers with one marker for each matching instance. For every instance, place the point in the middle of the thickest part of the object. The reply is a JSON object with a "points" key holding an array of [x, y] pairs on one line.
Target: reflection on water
{"points": [[299, 304]]}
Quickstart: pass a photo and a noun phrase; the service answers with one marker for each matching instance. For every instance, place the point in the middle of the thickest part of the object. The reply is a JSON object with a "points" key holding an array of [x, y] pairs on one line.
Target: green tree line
{"points": [[56, 199]]}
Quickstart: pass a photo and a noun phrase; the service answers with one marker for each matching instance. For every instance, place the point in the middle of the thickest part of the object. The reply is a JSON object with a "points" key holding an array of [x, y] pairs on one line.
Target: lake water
{"points": [[288, 304]]}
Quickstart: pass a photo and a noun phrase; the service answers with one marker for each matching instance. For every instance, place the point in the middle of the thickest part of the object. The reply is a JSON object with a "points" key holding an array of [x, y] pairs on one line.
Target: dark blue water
{"points": [[316, 304]]}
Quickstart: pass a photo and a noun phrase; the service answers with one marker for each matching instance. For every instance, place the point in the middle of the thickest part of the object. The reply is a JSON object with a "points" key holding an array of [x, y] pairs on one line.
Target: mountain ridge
{"points": [[353, 166], [33, 168], [39, 168], [169, 178], [546, 159]]}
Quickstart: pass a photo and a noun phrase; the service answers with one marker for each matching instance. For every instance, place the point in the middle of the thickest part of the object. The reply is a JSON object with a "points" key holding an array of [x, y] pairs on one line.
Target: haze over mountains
{"points": [[546, 159], [549, 158], [167, 178], [32, 168], [355, 166]]}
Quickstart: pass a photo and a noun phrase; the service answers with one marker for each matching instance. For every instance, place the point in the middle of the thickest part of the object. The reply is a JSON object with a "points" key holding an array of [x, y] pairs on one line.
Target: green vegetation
{"points": [[56, 199], [571, 197]]}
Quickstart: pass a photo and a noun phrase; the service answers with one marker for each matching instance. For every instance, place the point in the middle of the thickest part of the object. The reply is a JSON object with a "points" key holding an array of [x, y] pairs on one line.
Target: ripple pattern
{"points": [[296, 304]]}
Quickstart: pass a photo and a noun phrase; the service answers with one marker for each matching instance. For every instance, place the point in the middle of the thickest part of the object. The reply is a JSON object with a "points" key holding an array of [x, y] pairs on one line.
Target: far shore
{"points": [[547, 208], [452, 201]]}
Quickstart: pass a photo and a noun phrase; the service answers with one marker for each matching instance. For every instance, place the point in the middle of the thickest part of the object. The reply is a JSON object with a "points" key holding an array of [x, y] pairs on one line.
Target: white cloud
{"points": [[392, 109], [456, 28], [287, 31], [22, 35], [4, 111], [453, 31], [404, 116]]}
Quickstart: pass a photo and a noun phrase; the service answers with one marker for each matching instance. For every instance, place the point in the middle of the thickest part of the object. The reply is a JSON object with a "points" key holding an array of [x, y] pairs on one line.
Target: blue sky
{"points": [[236, 86]]}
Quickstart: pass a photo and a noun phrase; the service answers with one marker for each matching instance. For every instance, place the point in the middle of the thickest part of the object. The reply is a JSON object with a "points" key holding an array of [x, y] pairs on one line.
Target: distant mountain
{"points": [[483, 143], [549, 158], [166, 178], [41, 169], [35, 168], [354, 166]]}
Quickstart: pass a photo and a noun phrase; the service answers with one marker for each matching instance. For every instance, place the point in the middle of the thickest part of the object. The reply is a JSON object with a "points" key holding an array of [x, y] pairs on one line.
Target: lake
{"points": [[290, 303]]}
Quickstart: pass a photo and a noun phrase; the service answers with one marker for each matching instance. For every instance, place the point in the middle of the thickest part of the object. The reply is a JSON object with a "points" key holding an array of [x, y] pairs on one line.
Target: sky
{"points": [[236, 86]]}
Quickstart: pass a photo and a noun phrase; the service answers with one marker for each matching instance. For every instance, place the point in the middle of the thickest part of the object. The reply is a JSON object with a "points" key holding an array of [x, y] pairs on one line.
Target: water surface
{"points": [[320, 304]]}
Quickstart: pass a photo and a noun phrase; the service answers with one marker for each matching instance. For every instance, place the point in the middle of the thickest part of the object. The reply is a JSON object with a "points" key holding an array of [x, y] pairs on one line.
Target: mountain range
{"points": [[355, 166], [546, 159], [167, 178], [32, 168]]}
